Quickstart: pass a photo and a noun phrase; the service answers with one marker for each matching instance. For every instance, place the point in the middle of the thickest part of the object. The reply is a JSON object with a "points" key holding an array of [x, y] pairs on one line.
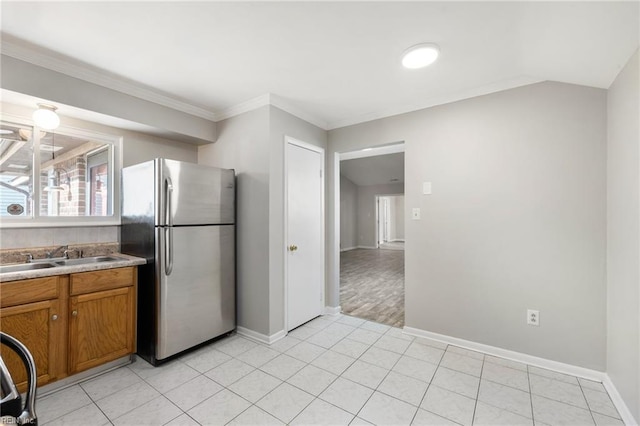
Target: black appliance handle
{"points": [[28, 416]]}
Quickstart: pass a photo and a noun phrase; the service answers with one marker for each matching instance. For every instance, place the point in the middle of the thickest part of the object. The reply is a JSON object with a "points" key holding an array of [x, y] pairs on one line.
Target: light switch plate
{"points": [[415, 214], [426, 188]]}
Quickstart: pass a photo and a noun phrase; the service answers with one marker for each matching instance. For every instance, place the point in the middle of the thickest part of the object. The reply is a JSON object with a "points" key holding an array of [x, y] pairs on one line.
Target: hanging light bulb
{"points": [[55, 178], [45, 117]]}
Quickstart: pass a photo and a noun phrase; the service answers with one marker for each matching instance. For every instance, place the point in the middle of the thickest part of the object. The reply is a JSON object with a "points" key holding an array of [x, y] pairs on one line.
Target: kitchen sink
{"points": [[86, 260], [25, 267]]}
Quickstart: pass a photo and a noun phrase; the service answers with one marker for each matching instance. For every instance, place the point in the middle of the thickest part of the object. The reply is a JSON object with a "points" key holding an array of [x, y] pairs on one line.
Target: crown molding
{"points": [[273, 100], [289, 107], [55, 62], [498, 86], [243, 107]]}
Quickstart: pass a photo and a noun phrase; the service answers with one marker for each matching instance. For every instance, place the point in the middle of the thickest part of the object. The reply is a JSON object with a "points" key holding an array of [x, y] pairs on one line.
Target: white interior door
{"points": [[304, 232]]}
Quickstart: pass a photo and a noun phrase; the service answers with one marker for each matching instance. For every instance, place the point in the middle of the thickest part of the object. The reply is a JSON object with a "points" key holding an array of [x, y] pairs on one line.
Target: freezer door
{"points": [[191, 194], [197, 298]]}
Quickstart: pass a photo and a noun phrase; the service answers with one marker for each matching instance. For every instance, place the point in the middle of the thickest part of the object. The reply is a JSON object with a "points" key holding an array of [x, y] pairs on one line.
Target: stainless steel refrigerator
{"points": [[180, 217]]}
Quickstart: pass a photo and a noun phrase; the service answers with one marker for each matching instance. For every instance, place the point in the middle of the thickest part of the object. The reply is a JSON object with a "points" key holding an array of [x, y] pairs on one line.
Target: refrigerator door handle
{"points": [[168, 202], [168, 252]]}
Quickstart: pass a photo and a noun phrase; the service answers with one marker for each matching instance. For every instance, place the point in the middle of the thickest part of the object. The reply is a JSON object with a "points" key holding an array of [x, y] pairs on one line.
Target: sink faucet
{"points": [[56, 250], [29, 257], [67, 251]]}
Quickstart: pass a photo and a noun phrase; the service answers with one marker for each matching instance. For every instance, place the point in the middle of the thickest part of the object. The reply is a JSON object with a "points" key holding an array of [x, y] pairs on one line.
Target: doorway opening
{"points": [[372, 235], [390, 219]]}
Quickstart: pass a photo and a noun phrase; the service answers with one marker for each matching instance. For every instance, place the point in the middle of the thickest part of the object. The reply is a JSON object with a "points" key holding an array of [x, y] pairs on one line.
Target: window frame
{"points": [[38, 221]]}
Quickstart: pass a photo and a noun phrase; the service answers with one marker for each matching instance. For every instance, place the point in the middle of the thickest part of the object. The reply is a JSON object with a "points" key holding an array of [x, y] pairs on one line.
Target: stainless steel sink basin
{"points": [[25, 267], [86, 260]]}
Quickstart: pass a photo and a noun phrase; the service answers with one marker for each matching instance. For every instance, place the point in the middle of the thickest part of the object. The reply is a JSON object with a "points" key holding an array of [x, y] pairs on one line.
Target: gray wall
{"points": [[253, 144], [623, 235], [367, 210], [243, 145], [138, 148], [516, 220], [348, 214]]}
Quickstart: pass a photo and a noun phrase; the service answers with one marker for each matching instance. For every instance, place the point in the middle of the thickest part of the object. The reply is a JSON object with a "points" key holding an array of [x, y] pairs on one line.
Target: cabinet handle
{"points": [[54, 317], [74, 313]]}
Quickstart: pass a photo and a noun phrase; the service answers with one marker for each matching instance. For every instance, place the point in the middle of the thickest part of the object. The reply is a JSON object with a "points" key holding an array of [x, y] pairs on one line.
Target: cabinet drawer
{"points": [[26, 291], [88, 282]]}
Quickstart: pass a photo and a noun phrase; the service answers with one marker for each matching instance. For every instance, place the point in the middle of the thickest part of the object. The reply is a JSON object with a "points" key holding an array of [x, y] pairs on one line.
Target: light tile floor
{"points": [[334, 370]]}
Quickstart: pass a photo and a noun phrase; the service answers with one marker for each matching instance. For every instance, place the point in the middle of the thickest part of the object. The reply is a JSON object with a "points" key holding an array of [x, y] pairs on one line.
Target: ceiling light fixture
{"points": [[45, 117], [420, 55]]}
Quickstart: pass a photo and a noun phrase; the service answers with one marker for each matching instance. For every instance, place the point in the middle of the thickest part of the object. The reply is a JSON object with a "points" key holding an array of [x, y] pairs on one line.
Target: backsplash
{"points": [[14, 238], [93, 241], [74, 250]]}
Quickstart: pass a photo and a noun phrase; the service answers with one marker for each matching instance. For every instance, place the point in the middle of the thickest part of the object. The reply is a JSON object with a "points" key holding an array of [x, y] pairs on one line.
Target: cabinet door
{"points": [[40, 327], [101, 327]]}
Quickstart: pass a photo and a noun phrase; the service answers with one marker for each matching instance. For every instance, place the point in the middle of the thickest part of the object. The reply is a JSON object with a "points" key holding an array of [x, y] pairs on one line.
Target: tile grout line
{"points": [[338, 375], [385, 376], [587, 402], [429, 386], [94, 403], [475, 406], [307, 364]]}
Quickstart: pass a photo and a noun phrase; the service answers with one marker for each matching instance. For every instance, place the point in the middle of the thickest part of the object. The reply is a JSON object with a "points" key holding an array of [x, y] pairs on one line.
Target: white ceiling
{"points": [[377, 170], [336, 62]]}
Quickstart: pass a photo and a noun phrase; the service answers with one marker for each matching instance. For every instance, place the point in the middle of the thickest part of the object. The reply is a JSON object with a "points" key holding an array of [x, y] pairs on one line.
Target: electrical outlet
{"points": [[533, 317]]}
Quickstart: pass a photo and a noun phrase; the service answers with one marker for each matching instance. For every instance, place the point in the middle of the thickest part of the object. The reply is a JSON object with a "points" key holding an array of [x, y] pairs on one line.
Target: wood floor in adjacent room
{"points": [[372, 285]]}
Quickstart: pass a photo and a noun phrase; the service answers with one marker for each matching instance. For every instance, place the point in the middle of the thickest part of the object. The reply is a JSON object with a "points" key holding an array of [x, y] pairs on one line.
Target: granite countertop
{"points": [[127, 260]]}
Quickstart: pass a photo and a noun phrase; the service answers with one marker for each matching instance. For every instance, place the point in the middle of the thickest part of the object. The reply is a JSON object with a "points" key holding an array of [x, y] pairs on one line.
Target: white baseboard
{"points": [[560, 367], [259, 337], [624, 411], [367, 247], [332, 310], [535, 361], [348, 248], [398, 240]]}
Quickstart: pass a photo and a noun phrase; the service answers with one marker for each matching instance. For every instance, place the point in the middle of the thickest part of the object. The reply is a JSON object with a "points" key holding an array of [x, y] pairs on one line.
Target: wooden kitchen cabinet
{"points": [[69, 323], [101, 317], [34, 312]]}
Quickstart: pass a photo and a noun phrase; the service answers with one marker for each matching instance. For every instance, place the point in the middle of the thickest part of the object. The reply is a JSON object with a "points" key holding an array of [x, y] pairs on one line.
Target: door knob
{"points": [[74, 313], [54, 317], [293, 247]]}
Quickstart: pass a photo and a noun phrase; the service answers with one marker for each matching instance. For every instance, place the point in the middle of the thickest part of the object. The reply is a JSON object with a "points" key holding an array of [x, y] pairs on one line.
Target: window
{"points": [[74, 170]]}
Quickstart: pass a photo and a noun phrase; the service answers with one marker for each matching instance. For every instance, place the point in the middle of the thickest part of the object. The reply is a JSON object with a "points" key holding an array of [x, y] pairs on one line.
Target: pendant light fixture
{"points": [[55, 179], [45, 117]]}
